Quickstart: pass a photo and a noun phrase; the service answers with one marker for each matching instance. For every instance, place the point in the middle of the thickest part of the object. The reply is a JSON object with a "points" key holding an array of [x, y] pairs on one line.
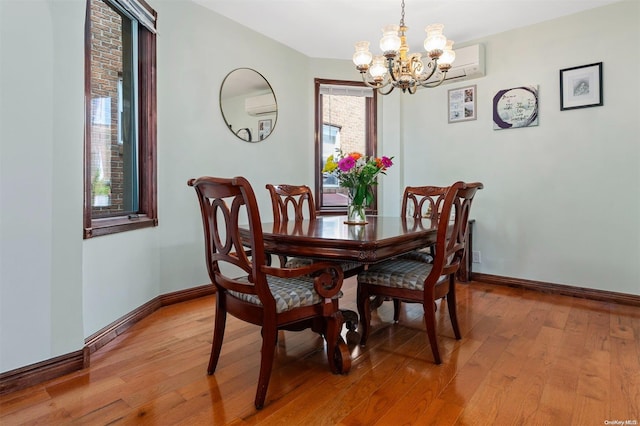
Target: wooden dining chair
{"points": [[295, 203], [422, 202], [253, 291], [418, 202], [415, 281], [426, 202]]}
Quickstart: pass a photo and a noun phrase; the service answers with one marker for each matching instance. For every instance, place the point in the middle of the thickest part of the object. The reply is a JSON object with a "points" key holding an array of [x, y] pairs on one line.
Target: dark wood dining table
{"points": [[382, 237], [329, 237]]}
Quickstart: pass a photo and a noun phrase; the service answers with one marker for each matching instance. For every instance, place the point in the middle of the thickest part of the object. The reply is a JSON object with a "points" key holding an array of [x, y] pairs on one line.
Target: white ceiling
{"points": [[329, 28]]}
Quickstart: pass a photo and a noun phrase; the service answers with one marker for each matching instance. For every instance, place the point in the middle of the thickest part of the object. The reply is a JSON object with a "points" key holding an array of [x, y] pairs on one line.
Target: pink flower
{"points": [[386, 162], [347, 163]]}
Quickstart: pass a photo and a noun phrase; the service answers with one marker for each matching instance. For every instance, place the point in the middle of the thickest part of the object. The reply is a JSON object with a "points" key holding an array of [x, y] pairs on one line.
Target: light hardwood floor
{"points": [[526, 358]]}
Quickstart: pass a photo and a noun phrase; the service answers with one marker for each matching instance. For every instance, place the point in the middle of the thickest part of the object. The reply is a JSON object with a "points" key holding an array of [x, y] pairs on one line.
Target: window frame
{"points": [[371, 142], [147, 215]]}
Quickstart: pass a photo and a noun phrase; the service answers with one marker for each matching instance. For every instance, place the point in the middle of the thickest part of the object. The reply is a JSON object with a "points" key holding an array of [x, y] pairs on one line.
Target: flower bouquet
{"points": [[357, 173]]}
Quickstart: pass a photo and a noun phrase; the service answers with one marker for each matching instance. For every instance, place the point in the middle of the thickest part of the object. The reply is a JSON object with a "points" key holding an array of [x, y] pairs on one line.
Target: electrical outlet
{"points": [[475, 256]]}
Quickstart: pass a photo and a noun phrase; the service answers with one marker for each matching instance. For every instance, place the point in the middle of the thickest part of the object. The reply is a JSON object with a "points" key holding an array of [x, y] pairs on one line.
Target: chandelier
{"points": [[403, 70]]}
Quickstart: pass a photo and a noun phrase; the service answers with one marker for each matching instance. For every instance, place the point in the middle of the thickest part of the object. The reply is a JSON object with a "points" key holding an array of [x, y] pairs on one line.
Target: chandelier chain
{"points": [[402, 15]]}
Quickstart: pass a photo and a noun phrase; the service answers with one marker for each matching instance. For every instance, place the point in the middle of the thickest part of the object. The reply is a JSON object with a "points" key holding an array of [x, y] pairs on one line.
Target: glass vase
{"points": [[355, 211], [355, 214]]}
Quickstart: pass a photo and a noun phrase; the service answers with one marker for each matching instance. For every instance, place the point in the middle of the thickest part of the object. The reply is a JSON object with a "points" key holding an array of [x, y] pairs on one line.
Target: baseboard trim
{"points": [[37, 373], [116, 328], [565, 290], [187, 294], [30, 375]]}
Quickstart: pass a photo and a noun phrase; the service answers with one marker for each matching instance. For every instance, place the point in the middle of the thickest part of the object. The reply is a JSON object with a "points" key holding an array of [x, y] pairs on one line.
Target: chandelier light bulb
{"points": [[378, 68], [390, 41], [362, 57], [448, 56], [435, 41]]}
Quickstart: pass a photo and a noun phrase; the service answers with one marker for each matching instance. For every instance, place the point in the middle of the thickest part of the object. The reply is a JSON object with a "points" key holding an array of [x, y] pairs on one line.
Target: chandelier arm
{"points": [[391, 87], [373, 85], [433, 71], [392, 74]]}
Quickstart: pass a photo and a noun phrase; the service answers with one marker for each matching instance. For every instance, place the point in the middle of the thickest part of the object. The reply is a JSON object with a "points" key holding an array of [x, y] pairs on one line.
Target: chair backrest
{"points": [[423, 201], [452, 235], [293, 202], [223, 202], [445, 261], [463, 205]]}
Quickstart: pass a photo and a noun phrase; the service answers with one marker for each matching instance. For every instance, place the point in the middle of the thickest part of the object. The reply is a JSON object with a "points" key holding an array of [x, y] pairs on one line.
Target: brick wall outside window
{"points": [[106, 70], [347, 113]]}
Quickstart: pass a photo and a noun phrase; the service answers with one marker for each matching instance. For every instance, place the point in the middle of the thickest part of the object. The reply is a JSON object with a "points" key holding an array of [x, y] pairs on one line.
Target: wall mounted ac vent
{"points": [[469, 64], [262, 104]]}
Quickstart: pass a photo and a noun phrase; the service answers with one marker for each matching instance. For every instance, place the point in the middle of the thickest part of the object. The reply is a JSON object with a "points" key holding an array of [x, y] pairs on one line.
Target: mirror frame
{"points": [[238, 85]]}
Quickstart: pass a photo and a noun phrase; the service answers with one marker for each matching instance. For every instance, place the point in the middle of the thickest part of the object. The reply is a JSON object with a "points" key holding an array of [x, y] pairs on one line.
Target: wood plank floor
{"points": [[526, 358]]}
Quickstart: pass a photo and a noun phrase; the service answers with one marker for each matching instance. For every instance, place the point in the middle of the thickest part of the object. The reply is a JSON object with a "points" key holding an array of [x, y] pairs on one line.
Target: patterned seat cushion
{"points": [[423, 255], [297, 262], [289, 293], [398, 273]]}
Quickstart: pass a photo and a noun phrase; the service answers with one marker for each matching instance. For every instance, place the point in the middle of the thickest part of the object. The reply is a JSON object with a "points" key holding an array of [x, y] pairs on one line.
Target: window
{"points": [[120, 127], [330, 145], [345, 121]]}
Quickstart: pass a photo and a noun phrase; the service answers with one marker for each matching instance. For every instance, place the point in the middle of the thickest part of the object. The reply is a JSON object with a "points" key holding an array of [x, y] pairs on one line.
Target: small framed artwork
{"points": [[515, 107], [462, 104], [264, 128], [581, 87]]}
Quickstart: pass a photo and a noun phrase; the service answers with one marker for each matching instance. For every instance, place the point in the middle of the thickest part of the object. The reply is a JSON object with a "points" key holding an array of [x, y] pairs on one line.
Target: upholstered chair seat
{"points": [[421, 255], [298, 262], [399, 273], [289, 293]]}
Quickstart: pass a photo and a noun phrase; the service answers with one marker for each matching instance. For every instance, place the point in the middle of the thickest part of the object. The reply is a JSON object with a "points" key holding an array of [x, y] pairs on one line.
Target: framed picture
{"points": [[581, 87], [462, 104], [515, 107], [264, 128]]}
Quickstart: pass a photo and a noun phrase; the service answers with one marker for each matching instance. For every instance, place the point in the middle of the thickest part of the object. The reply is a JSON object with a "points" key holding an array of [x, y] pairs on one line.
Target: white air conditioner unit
{"points": [[262, 104], [469, 64]]}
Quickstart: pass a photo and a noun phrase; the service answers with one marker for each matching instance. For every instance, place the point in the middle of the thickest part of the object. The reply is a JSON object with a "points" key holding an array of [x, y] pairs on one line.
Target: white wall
{"points": [[561, 201], [56, 289], [41, 109], [195, 53]]}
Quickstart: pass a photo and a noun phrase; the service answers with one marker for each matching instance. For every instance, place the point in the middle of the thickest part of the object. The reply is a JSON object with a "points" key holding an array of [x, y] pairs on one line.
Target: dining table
{"points": [[332, 238]]}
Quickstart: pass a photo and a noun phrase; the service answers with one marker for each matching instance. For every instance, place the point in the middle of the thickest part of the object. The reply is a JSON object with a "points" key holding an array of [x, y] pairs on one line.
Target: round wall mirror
{"points": [[248, 105]]}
